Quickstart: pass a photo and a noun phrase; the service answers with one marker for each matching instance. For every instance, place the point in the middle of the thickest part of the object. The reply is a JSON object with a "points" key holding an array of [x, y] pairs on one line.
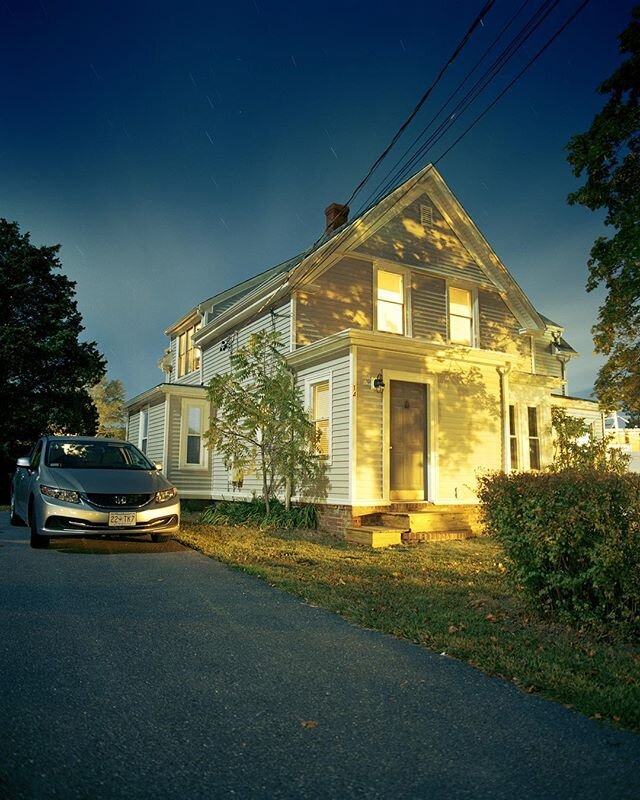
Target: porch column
{"points": [[504, 401]]}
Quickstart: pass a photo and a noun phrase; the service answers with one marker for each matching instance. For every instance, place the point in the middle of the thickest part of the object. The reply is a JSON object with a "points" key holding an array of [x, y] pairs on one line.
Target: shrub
{"points": [[571, 540], [255, 513], [576, 447]]}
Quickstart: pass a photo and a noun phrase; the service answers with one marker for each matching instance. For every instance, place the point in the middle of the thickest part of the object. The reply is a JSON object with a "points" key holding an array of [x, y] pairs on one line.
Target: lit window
{"points": [[534, 439], [188, 357], [144, 429], [320, 416], [513, 437], [460, 316], [390, 305]]}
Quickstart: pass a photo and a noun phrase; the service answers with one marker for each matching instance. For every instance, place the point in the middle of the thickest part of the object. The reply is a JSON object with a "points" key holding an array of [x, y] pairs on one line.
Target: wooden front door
{"points": [[408, 440]]}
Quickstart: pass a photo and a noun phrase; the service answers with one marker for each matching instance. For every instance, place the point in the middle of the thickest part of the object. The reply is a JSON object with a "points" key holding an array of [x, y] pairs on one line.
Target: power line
{"points": [[477, 21], [527, 66], [490, 73]]}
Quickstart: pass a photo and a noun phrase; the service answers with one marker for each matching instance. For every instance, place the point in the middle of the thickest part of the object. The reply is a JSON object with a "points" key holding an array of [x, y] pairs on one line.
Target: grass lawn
{"points": [[448, 596]]}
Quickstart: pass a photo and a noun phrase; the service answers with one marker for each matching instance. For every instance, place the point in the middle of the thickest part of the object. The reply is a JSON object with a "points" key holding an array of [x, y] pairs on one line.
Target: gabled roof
{"points": [[252, 296]]}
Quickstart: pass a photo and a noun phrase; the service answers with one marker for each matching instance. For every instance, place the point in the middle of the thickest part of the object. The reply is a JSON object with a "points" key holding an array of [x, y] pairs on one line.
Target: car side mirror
{"points": [[24, 461]]}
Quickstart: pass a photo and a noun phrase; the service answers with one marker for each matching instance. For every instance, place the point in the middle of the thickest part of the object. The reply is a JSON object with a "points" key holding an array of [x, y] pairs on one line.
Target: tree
{"points": [[44, 368], [108, 398], [609, 154], [576, 447], [260, 421]]}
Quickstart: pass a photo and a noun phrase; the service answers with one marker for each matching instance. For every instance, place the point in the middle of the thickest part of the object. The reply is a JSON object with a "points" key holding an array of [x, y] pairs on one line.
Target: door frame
{"points": [[431, 463]]}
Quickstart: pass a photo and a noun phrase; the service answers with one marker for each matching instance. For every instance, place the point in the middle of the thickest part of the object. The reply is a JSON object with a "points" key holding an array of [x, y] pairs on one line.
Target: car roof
{"points": [[72, 438]]}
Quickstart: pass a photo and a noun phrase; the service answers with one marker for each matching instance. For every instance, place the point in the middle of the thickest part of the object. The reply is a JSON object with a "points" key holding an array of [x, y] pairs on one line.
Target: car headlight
{"points": [[60, 494], [166, 494]]}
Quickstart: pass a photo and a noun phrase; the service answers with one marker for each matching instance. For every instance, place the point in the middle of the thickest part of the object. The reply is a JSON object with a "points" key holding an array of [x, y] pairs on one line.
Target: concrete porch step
{"points": [[424, 522], [437, 536]]}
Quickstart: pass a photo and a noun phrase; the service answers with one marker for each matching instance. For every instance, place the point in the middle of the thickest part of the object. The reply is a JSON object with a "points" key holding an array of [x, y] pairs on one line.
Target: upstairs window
{"points": [[320, 402], [390, 302], [460, 316], [188, 355]]}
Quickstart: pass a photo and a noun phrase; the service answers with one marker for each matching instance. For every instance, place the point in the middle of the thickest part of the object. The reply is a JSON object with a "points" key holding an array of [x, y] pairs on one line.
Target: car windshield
{"points": [[95, 455]]}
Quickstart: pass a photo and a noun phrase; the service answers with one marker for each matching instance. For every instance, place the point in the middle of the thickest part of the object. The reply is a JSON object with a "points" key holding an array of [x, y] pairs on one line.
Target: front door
{"points": [[408, 440]]}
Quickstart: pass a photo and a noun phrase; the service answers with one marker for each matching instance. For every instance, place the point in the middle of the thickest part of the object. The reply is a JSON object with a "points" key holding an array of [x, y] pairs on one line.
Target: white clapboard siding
{"points": [[339, 468], [134, 428], [190, 482], [215, 356], [155, 442]]}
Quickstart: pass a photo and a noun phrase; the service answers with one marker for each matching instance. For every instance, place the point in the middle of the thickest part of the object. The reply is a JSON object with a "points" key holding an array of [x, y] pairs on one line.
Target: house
{"points": [[416, 350]]}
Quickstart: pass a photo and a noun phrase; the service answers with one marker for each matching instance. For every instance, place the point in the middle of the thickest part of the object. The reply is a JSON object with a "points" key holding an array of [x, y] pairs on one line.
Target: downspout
{"points": [[504, 401]]}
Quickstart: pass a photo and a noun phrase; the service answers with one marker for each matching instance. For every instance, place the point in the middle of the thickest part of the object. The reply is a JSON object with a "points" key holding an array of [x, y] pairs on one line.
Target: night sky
{"points": [[175, 149]]}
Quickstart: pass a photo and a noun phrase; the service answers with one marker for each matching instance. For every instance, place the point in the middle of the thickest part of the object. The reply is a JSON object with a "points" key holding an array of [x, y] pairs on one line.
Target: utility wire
{"points": [[519, 75], [529, 64], [477, 21], [395, 175]]}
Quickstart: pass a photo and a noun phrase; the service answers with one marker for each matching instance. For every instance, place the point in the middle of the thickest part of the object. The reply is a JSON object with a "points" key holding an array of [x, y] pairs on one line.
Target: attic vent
{"points": [[426, 216]]}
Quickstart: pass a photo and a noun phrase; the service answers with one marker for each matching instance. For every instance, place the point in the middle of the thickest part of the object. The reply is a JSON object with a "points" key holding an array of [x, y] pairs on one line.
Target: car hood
{"points": [[107, 481]]}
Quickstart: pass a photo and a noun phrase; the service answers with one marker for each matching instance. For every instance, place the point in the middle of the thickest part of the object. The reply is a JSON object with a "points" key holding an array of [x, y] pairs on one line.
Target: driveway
{"points": [[133, 670]]}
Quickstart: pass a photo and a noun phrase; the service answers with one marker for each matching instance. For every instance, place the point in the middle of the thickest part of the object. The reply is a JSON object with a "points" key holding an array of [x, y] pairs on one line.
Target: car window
{"points": [[35, 455], [73, 454]]}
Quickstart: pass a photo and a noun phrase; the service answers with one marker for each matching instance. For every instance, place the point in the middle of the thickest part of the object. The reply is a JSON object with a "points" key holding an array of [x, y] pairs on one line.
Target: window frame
{"points": [[310, 384], [514, 439], [473, 297], [143, 428], [405, 275], [203, 405], [187, 359], [534, 439]]}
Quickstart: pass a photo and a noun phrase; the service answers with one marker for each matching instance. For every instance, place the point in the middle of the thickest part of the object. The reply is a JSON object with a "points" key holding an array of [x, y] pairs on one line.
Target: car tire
{"points": [[38, 541], [160, 538], [13, 517]]}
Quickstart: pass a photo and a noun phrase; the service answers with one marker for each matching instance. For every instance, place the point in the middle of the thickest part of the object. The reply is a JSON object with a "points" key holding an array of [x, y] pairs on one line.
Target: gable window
{"points": [[144, 429], [390, 301], [320, 395], [513, 437], [188, 355], [195, 421], [534, 439], [460, 316]]}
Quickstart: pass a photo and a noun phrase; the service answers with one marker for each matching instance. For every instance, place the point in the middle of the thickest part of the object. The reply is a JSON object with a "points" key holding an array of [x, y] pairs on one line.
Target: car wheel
{"points": [[159, 538], [14, 518], [38, 541]]}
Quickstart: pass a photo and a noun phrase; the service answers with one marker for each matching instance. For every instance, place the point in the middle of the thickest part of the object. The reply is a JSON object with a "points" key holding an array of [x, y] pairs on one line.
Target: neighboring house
{"points": [[416, 351]]}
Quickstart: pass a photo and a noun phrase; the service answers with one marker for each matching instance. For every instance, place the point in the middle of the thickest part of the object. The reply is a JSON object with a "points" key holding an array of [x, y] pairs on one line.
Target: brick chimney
{"points": [[336, 215]]}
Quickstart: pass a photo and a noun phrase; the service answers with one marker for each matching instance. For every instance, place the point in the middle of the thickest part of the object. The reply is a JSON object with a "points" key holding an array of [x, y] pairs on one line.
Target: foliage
{"points": [[632, 418], [44, 368], [448, 596], [256, 513], [108, 398], [609, 154], [260, 422], [572, 541], [577, 448]]}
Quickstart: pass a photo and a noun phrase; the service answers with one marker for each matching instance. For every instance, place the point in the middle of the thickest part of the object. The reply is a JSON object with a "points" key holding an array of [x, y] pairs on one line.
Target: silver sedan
{"points": [[83, 486]]}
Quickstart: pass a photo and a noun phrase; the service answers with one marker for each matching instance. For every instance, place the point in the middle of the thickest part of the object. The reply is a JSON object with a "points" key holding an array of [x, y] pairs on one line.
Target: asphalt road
{"points": [[133, 670]]}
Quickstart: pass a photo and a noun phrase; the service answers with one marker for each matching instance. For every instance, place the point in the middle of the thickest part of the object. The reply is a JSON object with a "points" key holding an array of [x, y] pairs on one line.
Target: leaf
{"points": [[308, 724]]}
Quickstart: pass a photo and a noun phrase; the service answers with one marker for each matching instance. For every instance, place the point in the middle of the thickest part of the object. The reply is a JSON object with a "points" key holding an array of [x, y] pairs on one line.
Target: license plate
{"points": [[122, 519]]}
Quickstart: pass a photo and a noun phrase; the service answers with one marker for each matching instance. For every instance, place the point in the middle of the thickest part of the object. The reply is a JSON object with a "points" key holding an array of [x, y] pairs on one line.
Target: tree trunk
{"points": [[287, 493]]}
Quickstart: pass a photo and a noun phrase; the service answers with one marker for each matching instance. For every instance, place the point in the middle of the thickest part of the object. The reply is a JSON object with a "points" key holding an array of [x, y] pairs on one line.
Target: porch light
{"points": [[377, 383]]}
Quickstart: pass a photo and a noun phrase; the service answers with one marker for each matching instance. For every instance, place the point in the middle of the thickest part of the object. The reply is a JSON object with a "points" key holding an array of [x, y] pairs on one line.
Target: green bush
{"points": [[254, 512], [571, 541]]}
